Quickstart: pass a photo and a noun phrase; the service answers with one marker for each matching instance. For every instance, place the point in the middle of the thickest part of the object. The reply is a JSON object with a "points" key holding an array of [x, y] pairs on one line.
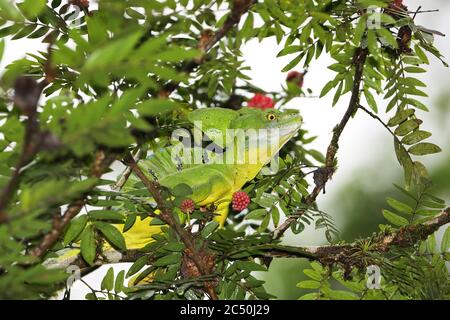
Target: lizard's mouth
{"points": [[289, 129]]}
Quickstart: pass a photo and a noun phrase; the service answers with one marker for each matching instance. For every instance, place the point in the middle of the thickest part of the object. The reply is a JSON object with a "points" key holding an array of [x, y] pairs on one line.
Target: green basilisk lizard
{"points": [[214, 182]]}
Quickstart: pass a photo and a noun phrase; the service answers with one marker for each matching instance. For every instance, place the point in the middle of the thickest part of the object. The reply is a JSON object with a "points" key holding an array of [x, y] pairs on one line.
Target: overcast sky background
{"points": [[362, 139]]}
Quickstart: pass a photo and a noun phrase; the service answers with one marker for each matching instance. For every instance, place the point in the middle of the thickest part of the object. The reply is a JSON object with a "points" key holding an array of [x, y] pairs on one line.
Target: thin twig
{"points": [[359, 60]]}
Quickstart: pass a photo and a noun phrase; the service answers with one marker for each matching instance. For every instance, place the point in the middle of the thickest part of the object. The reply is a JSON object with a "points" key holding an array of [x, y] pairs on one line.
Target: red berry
{"points": [[397, 5], [187, 206], [240, 201], [295, 77], [261, 101], [80, 3]]}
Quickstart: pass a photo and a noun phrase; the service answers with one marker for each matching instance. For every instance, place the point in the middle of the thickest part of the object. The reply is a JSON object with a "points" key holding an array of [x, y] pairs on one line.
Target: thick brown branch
{"points": [[346, 255]]}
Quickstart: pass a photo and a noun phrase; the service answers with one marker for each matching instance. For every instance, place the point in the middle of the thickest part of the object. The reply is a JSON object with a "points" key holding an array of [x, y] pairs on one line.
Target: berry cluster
{"points": [[240, 201], [187, 206], [261, 101]]}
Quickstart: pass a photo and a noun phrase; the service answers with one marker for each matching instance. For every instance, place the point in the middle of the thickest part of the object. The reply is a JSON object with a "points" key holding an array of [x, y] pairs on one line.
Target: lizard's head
{"points": [[272, 128], [285, 123]]}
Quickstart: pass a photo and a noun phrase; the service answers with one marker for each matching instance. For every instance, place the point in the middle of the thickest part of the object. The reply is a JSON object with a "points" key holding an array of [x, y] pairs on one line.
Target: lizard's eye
{"points": [[271, 117]]}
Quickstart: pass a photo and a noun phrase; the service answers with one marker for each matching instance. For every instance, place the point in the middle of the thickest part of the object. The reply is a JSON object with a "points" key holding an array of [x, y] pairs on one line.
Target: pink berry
{"points": [[240, 201], [187, 206]]}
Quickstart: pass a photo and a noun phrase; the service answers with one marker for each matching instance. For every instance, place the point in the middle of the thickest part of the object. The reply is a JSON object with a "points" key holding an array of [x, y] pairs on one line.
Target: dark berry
{"points": [[295, 77]]}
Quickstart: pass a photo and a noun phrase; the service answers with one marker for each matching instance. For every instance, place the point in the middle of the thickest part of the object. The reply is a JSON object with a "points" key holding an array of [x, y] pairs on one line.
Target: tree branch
{"points": [[323, 175], [101, 164], [167, 216], [26, 97], [346, 255], [209, 39]]}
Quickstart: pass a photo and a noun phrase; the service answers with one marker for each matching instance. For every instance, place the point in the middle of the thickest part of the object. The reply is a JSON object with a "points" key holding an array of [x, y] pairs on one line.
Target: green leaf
{"points": [[56, 3], [75, 228], [119, 283], [313, 274], [137, 265], [370, 100], [112, 234], [421, 54], [264, 223], [414, 69], [39, 33], [167, 260], [182, 190], [32, 8], [2, 48], [415, 137], [400, 117], [112, 53], [395, 219], [256, 214], [174, 246], [388, 37], [106, 215], [445, 244], [157, 106], [327, 88], [275, 216], [407, 127], [400, 206], [88, 245], [309, 284], [360, 30], [289, 50], [108, 280], [129, 222], [338, 93], [250, 266], [427, 212], [209, 228], [424, 148], [292, 64], [372, 43], [310, 296], [9, 11], [405, 160], [342, 295]]}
